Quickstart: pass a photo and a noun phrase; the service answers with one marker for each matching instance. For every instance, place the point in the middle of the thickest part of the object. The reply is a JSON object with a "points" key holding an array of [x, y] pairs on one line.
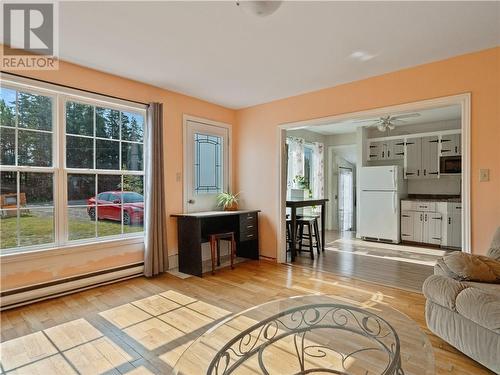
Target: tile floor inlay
{"points": [[54, 365], [97, 357], [71, 334], [25, 349], [153, 333], [156, 305], [125, 315]]}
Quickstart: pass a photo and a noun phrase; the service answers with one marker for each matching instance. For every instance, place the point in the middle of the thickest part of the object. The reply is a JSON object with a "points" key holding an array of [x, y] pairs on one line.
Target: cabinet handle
{"points": [[445, 151], [445, 140], [405, 215], [433, 172], [449, 220], [382, 153], [436, 238], [400, 153], [456, 150], [421, 217], [371, 146], [409, 173], [458, 207], [436, 141], [418, 172], [372, 156], [388, 154], [425, 172], [425, 217], [437, 218]]}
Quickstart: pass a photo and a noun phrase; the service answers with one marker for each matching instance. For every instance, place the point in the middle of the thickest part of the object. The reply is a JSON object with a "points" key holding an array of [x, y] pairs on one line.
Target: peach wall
{"points": [[477, 73], [174, 106]]}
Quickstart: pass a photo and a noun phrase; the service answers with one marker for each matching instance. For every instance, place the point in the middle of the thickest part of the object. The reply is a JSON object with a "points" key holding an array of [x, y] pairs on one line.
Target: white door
{"points": [[206, 165], [345, 199]]}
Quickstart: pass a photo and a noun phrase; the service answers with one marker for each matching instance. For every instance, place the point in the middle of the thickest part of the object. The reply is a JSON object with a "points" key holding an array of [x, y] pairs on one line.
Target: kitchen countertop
{"points": [[434, 199]]}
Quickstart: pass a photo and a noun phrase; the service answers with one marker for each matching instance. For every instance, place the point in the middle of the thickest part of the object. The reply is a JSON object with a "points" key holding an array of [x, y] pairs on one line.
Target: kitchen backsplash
{"points": [[445, 185]]}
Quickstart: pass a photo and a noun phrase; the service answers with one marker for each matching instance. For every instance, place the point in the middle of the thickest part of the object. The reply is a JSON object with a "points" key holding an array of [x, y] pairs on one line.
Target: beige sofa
{"points": [[462, 308]]}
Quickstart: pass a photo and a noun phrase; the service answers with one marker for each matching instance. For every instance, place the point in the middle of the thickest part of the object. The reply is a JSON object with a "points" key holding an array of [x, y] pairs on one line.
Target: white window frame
{"points": [[60, 95]]}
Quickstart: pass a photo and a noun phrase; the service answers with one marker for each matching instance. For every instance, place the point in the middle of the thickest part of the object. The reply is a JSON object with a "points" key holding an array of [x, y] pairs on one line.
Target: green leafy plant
{"points": [[227, 200]]}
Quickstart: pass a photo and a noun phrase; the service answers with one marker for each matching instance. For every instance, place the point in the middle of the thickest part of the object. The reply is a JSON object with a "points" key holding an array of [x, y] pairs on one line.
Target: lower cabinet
{"points": [[419, 226], [441, 226]]}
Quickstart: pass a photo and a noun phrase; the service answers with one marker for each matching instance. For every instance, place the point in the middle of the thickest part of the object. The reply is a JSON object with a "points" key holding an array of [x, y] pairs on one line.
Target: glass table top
{"points": [[313, 334]]}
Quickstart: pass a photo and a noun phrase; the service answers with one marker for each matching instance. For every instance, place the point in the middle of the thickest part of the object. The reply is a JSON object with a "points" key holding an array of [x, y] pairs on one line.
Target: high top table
{"points": [[300, 203]]}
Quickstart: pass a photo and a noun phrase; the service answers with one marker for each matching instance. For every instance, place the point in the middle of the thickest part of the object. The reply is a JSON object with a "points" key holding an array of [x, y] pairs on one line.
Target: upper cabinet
{"points": [[392, 149], [451, 145], [421, 153]]}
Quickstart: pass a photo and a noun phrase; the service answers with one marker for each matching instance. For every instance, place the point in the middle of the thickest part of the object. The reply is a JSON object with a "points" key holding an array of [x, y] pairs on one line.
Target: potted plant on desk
{"points": [[228, 201]]}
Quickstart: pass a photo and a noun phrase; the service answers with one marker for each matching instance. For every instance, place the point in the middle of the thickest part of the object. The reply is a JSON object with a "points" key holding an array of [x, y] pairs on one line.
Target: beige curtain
{"points": [[156, 256]]}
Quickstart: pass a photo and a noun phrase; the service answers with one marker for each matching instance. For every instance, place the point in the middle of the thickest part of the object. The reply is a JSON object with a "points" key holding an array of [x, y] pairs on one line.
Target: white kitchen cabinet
{"points": [[413, 157], [407, 231], [433, 222], [430, 157], [418, 226], [451, 145], [398, 149], [375, 151], [454, 225]]}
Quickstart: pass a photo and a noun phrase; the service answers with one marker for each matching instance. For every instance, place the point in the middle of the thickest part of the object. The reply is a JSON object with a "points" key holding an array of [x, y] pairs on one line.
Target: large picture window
{"points": [[72, 169]]}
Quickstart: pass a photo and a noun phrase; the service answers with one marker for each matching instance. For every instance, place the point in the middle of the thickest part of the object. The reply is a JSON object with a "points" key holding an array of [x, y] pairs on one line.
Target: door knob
{"points": [[191, 201]]}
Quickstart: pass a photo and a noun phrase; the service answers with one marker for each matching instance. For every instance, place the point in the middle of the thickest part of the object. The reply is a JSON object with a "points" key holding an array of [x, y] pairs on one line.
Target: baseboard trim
{"points": [[22, 296]]}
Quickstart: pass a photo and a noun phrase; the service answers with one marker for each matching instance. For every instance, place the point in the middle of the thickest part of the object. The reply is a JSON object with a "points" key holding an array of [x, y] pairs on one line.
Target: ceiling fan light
{"points": [[391, 126], [381, 127]]}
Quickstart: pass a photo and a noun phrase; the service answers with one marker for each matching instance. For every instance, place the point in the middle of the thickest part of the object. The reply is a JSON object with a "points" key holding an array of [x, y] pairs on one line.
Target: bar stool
{"points": [[312, 235], [214, 240]]}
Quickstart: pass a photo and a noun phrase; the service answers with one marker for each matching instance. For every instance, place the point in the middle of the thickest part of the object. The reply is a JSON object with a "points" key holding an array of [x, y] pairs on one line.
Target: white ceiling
{"points": [[217, 52], [427, 116]]}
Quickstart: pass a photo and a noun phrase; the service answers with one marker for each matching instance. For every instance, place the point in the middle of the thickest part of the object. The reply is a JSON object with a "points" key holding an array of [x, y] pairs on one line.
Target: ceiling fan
{"points": [[389, 122]]}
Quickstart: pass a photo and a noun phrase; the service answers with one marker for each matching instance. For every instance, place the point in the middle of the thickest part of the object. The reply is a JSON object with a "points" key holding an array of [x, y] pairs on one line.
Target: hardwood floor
{"points": [[404, 267], [141, 326]]}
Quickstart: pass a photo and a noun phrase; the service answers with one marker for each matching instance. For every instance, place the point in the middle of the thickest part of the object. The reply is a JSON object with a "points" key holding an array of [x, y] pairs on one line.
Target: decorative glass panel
{"points": [[132, 127], [107, 122], [79, 119], [79, 152], [34, 111], [7, 107], [34, 148], [208, 164]]}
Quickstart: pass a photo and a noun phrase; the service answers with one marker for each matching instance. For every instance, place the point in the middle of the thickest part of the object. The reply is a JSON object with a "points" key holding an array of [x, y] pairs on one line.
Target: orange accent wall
{"points": [[175, 105], [478, 73]]}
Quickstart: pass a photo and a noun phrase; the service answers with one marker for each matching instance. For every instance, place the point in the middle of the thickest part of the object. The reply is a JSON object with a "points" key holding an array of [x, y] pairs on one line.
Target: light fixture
{"points": [[362, 56], [259, 8]]}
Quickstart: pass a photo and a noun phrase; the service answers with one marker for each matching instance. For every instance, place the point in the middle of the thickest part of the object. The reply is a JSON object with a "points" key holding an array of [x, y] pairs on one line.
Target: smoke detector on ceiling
{"points": [[259, 8]]}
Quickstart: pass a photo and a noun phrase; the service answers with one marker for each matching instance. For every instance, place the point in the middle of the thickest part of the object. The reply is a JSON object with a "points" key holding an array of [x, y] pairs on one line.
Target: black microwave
{"points": [[450, 164]]}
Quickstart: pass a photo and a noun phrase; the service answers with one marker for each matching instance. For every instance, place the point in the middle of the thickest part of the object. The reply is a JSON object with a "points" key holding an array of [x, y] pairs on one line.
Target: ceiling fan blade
{"points": [[367, 120], [391, 126], [408, 115]]}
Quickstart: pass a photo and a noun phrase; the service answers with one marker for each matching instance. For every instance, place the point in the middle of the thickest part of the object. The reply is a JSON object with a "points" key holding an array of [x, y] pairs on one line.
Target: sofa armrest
{"points": [[442, 290], [468, 267]]}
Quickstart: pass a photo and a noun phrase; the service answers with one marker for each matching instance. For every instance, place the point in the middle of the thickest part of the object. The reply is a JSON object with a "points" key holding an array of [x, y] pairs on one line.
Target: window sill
{"points": [[69, 249]]}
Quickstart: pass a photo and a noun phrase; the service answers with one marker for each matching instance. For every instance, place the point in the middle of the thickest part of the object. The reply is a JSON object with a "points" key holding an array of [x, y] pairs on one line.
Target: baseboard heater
{"points": [[39, 292]]}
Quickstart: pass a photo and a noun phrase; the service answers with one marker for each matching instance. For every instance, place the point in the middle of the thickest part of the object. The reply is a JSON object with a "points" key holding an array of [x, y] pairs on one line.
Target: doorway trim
{"points": [[185, 170], [464, 100]]}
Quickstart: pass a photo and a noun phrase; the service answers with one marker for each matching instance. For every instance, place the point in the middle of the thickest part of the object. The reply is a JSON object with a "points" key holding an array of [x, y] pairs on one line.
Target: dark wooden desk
{"points": [[299, 203], [194, 228]]}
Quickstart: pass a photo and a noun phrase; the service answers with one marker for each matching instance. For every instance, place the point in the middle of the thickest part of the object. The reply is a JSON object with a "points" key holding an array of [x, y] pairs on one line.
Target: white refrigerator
{"points": [[382, 189]]}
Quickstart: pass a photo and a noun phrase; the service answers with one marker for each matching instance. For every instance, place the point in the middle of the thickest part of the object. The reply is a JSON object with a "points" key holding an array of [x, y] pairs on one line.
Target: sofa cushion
{"points": [[467, 267], [442, 290], [480, 306], [494, 251]]}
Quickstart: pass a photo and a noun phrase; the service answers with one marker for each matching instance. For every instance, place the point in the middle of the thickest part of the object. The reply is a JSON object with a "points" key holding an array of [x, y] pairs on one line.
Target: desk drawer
{"points": [[248, 226]]}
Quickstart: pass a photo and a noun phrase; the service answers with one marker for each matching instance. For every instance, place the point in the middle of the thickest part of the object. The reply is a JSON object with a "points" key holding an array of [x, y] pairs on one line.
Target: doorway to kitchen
{"points": [[411, 161]]}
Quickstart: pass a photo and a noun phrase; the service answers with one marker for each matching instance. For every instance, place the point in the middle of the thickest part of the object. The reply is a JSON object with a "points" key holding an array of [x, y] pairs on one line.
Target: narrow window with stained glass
{"points": [[208, 164]]}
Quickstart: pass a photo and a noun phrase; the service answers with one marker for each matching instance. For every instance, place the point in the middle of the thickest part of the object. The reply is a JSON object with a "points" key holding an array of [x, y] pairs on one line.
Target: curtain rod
{"points": [[75, 88]]}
